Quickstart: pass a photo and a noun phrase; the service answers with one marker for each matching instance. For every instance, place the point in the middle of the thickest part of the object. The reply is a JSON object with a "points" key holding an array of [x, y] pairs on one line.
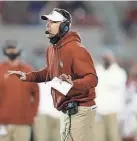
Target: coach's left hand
{"points": [[66, 78]]}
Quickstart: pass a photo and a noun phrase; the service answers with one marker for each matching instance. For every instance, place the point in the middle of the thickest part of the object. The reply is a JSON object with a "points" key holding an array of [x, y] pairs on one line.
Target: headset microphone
{"points": [[47, 32]]}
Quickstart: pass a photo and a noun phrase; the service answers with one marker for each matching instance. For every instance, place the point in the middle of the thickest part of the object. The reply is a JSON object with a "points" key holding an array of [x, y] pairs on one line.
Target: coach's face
{"points": [[52, 28]]}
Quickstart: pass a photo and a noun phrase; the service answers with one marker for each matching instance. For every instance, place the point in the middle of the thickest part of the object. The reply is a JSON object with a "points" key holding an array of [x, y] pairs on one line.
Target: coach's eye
{"points": [[53, 21]]}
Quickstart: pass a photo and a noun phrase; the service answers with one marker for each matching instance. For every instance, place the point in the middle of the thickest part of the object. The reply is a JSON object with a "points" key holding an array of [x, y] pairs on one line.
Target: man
{"points": [[70, 61], [110, 98], [18, 101]]}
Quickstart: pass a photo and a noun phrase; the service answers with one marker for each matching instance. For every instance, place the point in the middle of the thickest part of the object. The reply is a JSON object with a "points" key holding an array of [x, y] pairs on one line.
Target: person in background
{"points": [[18, 101], [128, 118], [110, 98], [46, 124]]}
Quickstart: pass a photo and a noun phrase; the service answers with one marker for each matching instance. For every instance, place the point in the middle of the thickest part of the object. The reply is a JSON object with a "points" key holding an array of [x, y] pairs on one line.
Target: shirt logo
{"points": [[61, 64]]}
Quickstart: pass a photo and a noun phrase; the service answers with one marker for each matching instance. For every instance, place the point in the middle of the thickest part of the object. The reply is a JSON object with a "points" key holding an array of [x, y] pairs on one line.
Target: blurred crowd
{"points": [[129, 22], [29, 11], [83, 13]]}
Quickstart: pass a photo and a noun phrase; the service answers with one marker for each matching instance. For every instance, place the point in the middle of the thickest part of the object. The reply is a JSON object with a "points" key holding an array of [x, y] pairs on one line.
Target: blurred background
{"points": [[103, 25]]}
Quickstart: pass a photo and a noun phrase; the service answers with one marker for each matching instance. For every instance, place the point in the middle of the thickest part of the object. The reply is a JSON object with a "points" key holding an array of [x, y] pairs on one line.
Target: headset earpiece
{"points": [[64, 27]]}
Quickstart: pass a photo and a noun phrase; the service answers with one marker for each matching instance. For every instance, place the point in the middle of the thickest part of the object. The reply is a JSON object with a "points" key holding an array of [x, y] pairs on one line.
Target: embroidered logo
{"points": [[61, 64]]}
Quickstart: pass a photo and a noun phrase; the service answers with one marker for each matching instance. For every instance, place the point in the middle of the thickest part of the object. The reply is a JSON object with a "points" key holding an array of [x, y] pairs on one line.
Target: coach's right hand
{"points": [[21, 75]]}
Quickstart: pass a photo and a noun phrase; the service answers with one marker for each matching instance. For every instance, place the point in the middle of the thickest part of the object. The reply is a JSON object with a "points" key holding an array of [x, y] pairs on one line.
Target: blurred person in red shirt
{"points": [[18, 101]]}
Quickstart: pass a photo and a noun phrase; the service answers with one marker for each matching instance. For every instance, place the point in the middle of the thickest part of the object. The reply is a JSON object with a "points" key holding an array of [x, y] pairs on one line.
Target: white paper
{"points": [[3, 130], [46, 106], [61, 86]]}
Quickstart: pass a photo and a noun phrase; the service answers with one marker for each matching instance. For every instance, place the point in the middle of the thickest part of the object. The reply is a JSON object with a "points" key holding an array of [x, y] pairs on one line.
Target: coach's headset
{"points": [[64, 26]]}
